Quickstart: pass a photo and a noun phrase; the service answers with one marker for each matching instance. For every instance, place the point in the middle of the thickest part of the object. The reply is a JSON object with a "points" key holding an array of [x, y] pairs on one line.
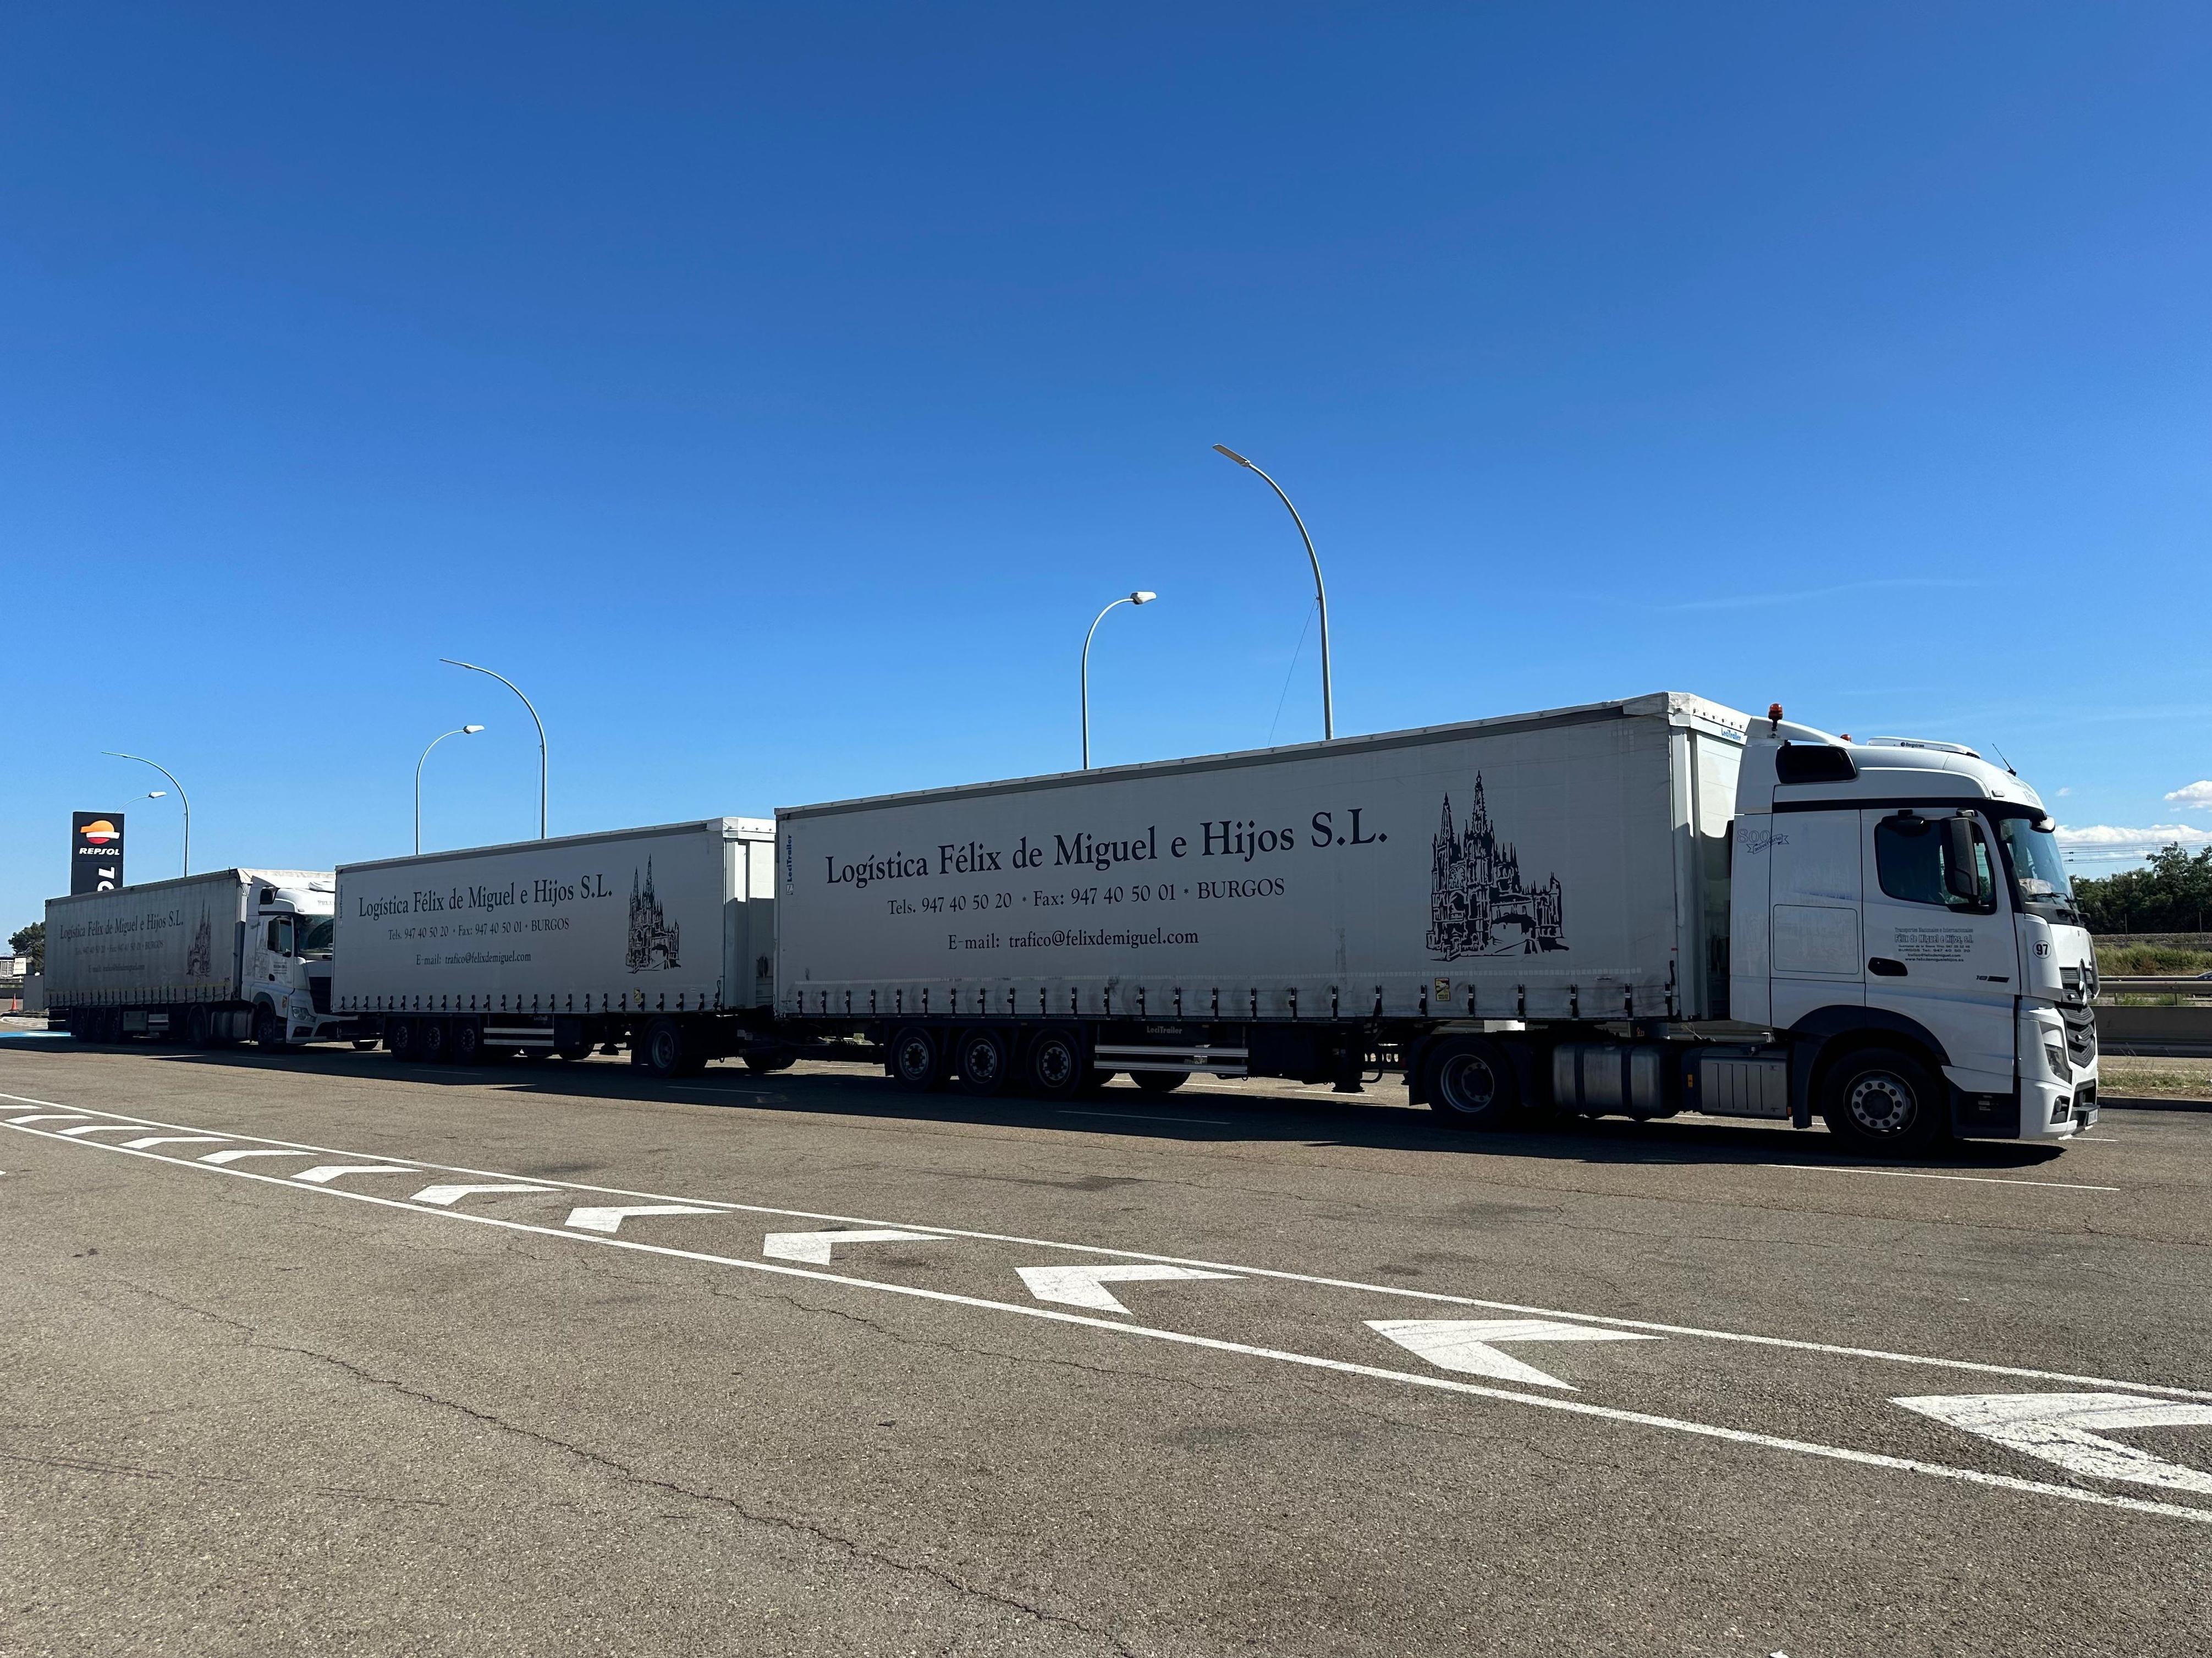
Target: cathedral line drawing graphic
{"points": [[1478, 902], [654, 938]]}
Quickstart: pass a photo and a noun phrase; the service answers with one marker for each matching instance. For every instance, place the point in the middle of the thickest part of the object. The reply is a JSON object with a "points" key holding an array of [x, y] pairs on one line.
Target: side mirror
{"points": [[1961, 876]]}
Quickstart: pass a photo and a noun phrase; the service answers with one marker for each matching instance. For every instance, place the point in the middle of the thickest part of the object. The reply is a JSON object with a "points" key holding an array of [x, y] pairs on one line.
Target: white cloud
{"points": [[2196, 797], [2101, 843], [2064, 792]]}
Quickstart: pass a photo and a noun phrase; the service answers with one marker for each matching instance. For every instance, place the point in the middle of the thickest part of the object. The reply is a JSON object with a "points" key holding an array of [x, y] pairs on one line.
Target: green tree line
{"points": [[2172, 894]]}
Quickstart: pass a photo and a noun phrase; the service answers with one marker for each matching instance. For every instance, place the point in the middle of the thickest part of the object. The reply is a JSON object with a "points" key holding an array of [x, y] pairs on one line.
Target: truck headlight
{"points": [[2056, 1056]]}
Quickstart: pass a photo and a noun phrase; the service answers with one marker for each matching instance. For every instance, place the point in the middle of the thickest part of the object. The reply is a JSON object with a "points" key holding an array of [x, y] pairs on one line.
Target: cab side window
{"points": [[1939, 861], [280, 935]]}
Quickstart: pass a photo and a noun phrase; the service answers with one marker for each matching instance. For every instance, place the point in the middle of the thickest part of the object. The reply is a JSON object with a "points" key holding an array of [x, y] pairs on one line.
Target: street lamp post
{"points": [[182, 799], [1321, 595], [1138, 598], [517, 690], [465, 731]]}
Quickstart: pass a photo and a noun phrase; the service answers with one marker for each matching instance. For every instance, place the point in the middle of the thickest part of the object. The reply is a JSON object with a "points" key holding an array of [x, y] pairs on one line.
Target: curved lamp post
{"points": [[182, 799], [465, 731], [1321, 595], [517, 690], [1139, 597]]}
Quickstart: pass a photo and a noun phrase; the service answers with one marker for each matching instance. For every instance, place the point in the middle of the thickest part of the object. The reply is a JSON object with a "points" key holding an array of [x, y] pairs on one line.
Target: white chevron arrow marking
{"points": [[2060, 1427], [71, 1117], [324, 1173], [610, 1219], [1086, 1286], [220, 1157], [145, 1141], [448, 1195], [1469, 1345], [104, 1128], [816, 1246]]}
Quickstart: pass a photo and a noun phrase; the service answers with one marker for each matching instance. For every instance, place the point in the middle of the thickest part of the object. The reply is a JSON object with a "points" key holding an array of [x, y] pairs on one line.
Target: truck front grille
{"points": [[2080, 1035], [319, 989]]}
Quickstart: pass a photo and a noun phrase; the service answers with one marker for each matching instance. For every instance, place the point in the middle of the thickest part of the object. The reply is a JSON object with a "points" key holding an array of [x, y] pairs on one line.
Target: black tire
{"points": [[84, 1024], [199, 1029], [1470, 1083], [1884, 1102], [468, 1042], [764, 1064], [434, 1041], [985, 1062], [576, 1053], [364, 1045], [268, 1029], [667, 1050], [1159, 1081], [914, 1061], [401, 1037], [1057, 1065]]}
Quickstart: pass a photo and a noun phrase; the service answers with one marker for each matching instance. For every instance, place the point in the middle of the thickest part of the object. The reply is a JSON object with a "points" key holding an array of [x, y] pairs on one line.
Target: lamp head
{"points": [[1224, 450], [158, 794], [471, 730], [1142, 598]]}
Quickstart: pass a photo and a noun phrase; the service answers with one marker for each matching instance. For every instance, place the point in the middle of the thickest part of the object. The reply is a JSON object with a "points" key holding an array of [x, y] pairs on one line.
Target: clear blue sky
{"points": [[777, 393]]}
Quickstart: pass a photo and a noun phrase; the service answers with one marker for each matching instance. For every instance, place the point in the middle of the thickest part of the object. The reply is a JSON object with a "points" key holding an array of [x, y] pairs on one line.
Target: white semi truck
{"points": [[211, 958], [1639, 908]]}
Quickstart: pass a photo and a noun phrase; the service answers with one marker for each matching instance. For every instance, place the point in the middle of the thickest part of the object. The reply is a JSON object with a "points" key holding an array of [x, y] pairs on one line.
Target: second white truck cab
{"points": [[285, 962], [1899, 909]]}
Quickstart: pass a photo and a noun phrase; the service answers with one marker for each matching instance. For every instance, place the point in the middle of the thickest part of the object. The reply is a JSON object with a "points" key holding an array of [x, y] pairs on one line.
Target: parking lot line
{"points": [[1917, 1174]]}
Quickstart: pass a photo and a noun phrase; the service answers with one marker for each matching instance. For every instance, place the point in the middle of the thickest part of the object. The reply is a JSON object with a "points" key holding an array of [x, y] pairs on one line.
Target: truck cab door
{"points": [[276, 951], [1940, 943], [1814, 889]]}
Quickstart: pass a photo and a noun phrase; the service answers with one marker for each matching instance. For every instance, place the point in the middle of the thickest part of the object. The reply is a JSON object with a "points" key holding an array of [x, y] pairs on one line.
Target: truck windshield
{"points": [[318, 937], [2039, 871]]}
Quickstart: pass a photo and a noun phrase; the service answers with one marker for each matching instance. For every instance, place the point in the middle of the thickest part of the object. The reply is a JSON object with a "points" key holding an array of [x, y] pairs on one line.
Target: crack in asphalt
{"points": [[819, 1534]]}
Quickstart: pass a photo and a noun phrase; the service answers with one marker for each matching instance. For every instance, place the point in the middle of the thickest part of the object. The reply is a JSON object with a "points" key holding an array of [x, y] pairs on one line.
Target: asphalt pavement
{"points": [[324, 1354]]}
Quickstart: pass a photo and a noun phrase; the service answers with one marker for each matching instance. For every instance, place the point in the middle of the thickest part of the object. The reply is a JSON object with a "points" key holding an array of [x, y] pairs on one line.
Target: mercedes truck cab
{"points": [[1902, 918]]}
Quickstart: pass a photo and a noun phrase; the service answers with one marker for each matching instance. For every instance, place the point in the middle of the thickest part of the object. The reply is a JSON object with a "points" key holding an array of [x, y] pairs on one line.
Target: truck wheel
{"points": [[985, 1064], [199, 1029], [762, 1065], [1056, 1065], [1159, 1081], [400, 1036], [667, 1050], [914, 1062], [1471, 1084], [1884, 1101], [268, 1029], [434, 1043], [576, 1053], [468, 1042]]}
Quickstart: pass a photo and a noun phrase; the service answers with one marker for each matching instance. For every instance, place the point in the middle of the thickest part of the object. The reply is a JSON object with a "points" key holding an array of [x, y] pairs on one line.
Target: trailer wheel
{"points": [[1884, 1101], [667, 1050], [985, 1064], [400, 1037], [914, 1062], [1471, 1084], [1159, 1081], [468, 1042], [762, 1065], [434, 1042], [576, 1051], [268, 1029], [199, 1029], [1056, 1065]]}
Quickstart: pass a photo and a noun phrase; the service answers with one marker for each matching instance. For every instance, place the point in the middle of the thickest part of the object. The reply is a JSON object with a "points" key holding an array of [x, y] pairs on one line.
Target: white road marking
{"points": [[323, 1175], [2056, 1427], [447, 1194], [610, 1220], [102, 1128], [816, 1246], [1917, 1174], [1436, 1297], [175, 1140], [219, 1158], [1469, 1345], [1086, 1286], [1215, 1344], [1140, 1117], [19, 1122]]}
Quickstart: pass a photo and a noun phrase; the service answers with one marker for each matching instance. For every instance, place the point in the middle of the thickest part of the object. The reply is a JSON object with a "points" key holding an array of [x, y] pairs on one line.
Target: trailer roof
{"points": [[1675, 707], [296, 878], [726, 828]]}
